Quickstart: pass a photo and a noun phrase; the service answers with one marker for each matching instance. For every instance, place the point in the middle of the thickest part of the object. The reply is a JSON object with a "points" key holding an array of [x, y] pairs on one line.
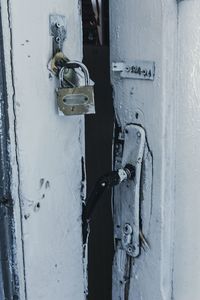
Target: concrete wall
{"points": [[46, 152]]}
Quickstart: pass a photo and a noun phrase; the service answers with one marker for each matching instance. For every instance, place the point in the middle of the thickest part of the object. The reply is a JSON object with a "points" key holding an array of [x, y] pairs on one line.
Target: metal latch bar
{"points": [[127, 195]]}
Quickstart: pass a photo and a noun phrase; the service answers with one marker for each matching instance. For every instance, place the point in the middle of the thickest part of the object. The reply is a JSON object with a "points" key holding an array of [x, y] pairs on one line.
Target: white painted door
{"points": [[146, 31], [165, 32], [47, 153]]}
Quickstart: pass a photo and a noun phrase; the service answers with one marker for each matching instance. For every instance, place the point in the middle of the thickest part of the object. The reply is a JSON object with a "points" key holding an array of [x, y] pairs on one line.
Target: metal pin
{"points": [[144, 241]]}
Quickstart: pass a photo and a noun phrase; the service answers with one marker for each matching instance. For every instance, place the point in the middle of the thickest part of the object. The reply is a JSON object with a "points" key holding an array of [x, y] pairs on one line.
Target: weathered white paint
{"points": [[147, 30], [51, 235], [167, 32], [187, 220], [47, 168]]}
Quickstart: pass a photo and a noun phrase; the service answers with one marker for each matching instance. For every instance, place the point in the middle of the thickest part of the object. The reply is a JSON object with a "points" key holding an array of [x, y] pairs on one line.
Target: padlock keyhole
{"points": [[75, 99]]}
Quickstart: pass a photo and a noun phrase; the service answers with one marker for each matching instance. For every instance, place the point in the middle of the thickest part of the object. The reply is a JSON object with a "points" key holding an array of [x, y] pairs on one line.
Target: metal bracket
{"points": [[127, 195], [135, 70], [57, 26], [131, 147]]}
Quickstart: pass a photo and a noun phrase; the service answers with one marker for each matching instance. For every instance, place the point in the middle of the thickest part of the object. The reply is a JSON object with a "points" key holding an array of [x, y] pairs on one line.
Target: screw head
{"points": [[57, 39], [57, 24], [128, 229], [129, 249]]}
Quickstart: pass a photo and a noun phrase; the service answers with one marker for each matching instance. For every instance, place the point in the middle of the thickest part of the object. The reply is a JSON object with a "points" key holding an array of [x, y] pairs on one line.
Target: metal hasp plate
{"points": [[135, 70], [127, 195], [57, 26]]}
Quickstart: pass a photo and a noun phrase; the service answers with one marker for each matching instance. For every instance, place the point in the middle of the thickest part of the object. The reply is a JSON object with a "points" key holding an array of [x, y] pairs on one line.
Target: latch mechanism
{"points": [[126, 180], [129, 148], [127, 195], [109, 180]]}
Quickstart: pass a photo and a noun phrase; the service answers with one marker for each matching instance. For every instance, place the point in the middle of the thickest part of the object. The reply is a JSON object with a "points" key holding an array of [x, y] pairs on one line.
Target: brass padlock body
{"points": [[76, 101]]}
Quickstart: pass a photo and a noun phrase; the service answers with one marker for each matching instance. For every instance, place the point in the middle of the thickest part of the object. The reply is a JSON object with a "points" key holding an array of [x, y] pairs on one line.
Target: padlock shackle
{"points": [[61, 76], [77, 64]]}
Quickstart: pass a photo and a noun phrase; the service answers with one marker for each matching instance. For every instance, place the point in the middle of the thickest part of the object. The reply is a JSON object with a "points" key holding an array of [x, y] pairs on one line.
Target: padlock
{"points": [[73, 99]]}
